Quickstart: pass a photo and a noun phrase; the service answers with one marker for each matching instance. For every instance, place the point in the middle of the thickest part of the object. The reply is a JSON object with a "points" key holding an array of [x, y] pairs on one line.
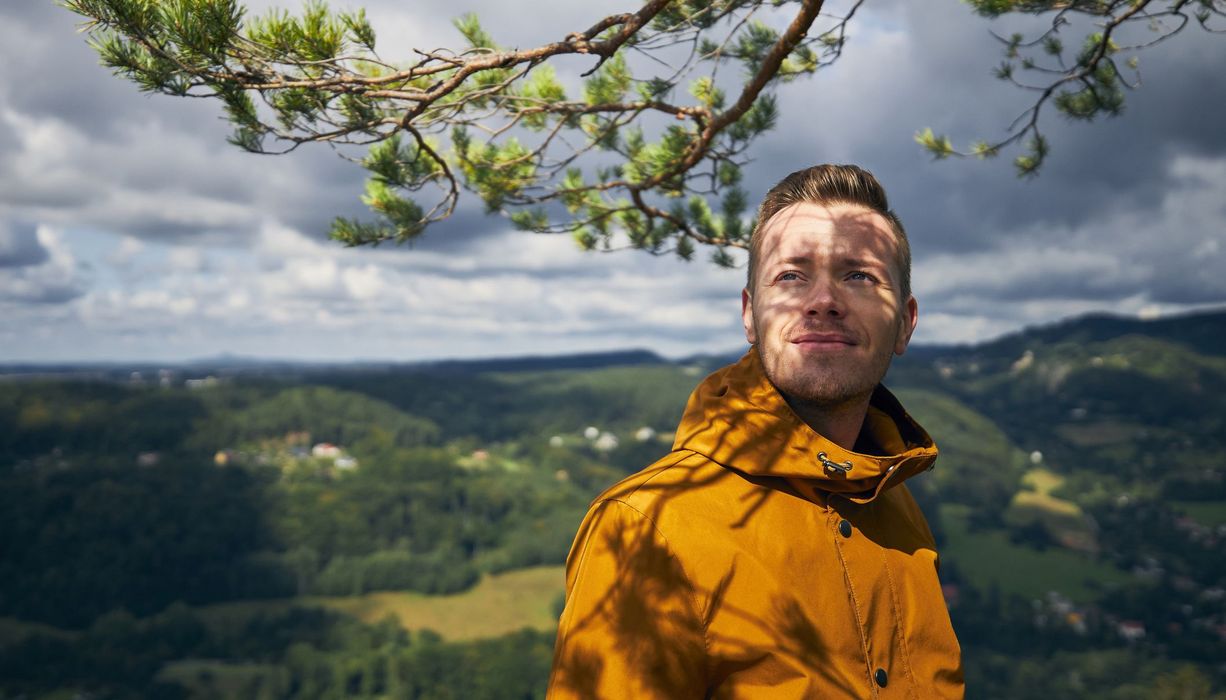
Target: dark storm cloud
{"points": [[35, 268], [1123, 162], [40, 292], [41, 40], [1105, 284], [19, 245], [88, 147], [1170, 252]]}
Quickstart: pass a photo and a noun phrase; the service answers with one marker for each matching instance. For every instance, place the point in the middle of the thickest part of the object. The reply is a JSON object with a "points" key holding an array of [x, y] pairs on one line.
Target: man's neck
{"points": [[838, 423]]}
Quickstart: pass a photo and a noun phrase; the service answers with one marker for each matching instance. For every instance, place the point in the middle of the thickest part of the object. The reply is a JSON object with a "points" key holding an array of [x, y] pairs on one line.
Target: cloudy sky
{"points": [[130, 230]]}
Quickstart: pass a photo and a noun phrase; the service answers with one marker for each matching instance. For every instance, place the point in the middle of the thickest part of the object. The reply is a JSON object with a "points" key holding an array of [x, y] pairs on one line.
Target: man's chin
{"points": [[827, 395], [825, 388]]}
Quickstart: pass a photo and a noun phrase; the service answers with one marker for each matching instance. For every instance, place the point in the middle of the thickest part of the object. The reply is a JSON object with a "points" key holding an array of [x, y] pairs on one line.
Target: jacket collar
{"points": [[738, 419]]}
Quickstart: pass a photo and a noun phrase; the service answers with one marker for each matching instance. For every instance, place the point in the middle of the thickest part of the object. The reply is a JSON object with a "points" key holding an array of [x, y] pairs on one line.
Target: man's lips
{"points": [[820, 340]]}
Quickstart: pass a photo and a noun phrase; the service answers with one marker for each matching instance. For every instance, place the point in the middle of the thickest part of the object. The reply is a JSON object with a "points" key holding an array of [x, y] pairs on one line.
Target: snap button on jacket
{"points": [[743, 565]]}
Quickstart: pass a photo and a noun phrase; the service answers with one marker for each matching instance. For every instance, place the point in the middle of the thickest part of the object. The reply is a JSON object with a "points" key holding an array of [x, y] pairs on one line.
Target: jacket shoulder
{"points": [[680, 471]]}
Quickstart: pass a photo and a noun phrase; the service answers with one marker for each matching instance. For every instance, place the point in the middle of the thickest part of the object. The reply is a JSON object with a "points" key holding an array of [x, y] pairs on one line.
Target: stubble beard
{"points": [[820, 383]]}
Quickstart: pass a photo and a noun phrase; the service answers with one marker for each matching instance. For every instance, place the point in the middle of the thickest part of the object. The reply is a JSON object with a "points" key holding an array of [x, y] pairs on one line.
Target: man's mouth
{"points": [[829, 339]]}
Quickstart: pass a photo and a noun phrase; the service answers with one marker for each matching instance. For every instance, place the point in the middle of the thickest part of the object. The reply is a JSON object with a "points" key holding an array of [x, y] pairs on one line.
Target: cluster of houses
{"points": [[1200, 609], [291, 450], [605, 441]]}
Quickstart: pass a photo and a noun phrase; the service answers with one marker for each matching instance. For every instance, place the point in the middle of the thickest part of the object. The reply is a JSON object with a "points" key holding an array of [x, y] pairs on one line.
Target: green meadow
{"points": [[989, 558]]}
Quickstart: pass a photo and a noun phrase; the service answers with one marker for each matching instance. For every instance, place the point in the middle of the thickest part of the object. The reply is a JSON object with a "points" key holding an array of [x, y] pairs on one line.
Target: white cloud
{"points": [[365, 283], [125, 252], [186, 260], [276, 240]]}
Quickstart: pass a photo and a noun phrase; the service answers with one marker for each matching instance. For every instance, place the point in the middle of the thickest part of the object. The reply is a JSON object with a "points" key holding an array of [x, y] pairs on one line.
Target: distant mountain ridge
{"points": [[533, 363], [1203, 332]]}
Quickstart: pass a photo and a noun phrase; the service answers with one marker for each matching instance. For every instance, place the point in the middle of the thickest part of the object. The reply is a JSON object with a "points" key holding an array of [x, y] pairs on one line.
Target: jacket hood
{"points": [[739, 420]]}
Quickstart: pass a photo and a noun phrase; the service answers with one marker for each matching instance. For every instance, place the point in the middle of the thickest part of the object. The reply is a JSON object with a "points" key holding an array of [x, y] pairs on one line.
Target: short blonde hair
{"points": [[831, 184]]}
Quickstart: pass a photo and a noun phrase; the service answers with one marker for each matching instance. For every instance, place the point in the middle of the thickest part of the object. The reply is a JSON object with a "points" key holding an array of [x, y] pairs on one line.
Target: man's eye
{"points": [[787, 277], [861, 276]]}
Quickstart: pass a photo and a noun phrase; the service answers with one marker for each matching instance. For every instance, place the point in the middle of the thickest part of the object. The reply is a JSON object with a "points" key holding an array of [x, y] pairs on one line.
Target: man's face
{"points": [[825, 313]]}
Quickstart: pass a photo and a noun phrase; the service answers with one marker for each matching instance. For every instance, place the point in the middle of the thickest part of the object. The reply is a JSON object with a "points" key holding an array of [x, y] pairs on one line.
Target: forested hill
{"points": [[1203, 332], [171, 527]]}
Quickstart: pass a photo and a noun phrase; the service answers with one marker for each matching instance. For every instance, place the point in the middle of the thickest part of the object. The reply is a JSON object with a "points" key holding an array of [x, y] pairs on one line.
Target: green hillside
{"points": [[400, 531]]}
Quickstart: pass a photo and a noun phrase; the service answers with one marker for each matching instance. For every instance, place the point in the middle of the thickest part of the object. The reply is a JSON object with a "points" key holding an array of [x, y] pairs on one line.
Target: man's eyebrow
{"points": [[854, 261], [847, 261], [795, 260]]}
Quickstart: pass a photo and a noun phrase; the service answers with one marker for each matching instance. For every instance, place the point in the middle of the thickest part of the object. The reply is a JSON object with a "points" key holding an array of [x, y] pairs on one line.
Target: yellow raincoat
{"points": [[760, 560]]}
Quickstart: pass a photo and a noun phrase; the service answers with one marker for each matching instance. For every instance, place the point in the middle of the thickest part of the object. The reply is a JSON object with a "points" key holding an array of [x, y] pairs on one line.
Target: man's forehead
{"points": [[840, 229]]}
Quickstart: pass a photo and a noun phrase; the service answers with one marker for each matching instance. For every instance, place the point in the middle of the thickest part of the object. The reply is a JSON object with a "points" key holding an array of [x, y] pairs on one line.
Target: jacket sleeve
{"points": [[630, 628]]}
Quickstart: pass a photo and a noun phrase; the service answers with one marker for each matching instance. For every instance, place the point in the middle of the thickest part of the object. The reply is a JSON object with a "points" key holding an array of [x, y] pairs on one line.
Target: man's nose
{"points": [[824, 299]]}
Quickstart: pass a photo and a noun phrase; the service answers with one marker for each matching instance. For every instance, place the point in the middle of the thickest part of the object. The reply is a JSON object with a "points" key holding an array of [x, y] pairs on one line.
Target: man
{"points": [[775, 553]]}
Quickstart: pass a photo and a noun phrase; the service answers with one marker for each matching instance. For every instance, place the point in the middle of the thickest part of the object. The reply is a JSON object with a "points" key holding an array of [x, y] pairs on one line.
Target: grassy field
{"points": [[497, 605], [988, 557], [1064, 520], [1043, 482]]}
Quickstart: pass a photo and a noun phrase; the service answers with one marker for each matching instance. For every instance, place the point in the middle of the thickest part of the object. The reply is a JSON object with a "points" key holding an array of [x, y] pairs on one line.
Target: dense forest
{"points": [[232, 530]]}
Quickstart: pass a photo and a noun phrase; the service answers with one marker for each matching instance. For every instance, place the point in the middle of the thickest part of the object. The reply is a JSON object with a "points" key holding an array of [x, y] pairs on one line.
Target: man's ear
{"points": [[909, 316], [747, 316]]}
